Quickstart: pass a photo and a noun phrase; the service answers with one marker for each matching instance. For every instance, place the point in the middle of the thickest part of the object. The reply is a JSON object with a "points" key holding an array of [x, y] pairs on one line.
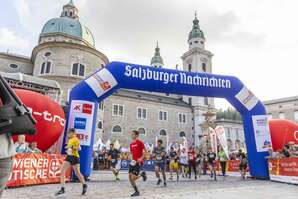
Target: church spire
{"points": [[157, 60], [70, 10], [196, 32]]}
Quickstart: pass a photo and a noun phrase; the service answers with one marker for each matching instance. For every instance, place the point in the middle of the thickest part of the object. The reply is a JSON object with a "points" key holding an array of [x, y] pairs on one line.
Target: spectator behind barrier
{"points": [[21, 145]]}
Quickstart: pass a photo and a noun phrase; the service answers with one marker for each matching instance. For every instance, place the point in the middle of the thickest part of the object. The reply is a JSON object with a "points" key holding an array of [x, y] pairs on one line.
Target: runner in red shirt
{"points": [[137, 150]]}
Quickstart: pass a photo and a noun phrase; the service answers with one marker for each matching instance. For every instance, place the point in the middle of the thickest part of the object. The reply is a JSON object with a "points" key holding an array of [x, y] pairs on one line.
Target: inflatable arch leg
{"points": [[84, 98]]}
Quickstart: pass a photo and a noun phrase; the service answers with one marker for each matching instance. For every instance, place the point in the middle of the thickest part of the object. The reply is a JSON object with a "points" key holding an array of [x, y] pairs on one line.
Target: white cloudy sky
{"points": [[256, 40]]}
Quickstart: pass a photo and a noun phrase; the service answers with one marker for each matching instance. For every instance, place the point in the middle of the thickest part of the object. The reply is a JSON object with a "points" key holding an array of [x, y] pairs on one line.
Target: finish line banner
{"points": [[284, 170], [33, 169]]}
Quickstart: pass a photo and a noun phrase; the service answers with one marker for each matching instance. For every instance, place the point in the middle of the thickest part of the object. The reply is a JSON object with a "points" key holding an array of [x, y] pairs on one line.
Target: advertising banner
{"points": [[221, 135], [32, 169], [213, 140], [284, 170], [81, 118], [262, 132]]}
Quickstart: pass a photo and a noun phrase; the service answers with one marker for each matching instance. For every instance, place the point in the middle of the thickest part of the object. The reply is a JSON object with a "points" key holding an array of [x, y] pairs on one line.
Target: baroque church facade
{"points": [[66, 54]]}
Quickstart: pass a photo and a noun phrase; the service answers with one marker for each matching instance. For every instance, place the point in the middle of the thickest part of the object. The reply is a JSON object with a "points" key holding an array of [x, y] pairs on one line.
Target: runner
{"points": [[211, 157], [72, 160], [199, 161], [192, 162], [223, 161], [159, 154], [113, 157], [243, 164], [137, 150], [183, 157], [174, 166]]}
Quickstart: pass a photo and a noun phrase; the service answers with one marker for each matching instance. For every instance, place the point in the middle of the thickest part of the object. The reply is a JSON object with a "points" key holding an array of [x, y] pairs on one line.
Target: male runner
{"points": [[159, 153], [183, 157], [192, 164], [137, 150], [72, 160], [113, 157], [174, 166], [211, 156]]}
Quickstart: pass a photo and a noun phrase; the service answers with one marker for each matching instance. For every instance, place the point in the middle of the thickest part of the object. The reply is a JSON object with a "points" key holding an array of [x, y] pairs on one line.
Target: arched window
{"points": [[189, 67], [204, 67], [70, 13], [182, 134], [141, 131], [78, 70], [162, 132], [99, 125], [116, 129], [45, 68]]}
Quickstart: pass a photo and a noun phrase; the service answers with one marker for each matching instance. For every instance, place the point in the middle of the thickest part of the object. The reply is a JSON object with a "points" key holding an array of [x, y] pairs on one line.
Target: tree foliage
{"points": [[228, 114]]}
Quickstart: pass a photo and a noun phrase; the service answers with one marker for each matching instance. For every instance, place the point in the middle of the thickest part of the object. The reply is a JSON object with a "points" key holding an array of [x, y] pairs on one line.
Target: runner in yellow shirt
{"points": [[72, 160]]}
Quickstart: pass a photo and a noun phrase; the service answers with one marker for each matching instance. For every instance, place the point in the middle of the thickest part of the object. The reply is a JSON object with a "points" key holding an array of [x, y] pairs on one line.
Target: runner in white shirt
{"points": [[184, 162]]}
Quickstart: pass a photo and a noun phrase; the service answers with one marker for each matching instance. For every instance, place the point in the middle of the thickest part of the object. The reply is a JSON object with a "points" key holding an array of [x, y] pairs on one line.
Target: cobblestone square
{"points": [[103, 186]]}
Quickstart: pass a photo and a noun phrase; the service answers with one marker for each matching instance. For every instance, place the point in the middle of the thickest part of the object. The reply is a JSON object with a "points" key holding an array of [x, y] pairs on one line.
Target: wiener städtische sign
{"points": [[32, 169]]}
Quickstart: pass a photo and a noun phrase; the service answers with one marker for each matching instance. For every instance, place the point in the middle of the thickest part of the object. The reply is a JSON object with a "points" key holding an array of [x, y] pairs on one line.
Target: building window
{"points": [[189, 67], [182, 134], [99, 125], [296, 116], [13, 66], [163, 116], [206, 100], [204, 67], [45, 68], [141, 113], [201, 42], [196, 42], [189, 101], [181, 118], [70, 13], [78, 70], [229, 133], [281, 116], [118, 110], [237, 134], [100, 105], [163, 132], [117, 129]]}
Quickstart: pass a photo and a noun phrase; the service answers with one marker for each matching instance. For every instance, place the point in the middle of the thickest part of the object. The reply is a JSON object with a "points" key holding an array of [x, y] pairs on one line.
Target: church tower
{"points": [[157, 60], [197, 59], [70, 10]]}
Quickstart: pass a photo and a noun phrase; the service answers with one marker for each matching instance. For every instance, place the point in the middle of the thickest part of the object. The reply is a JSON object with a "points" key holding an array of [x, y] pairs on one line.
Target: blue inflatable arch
{"points": [[86, 95]]}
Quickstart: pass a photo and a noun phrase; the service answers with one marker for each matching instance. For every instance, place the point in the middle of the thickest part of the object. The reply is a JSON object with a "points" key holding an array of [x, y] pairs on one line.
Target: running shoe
{"points": [[135, 194], [60, 192], [158, 182]]}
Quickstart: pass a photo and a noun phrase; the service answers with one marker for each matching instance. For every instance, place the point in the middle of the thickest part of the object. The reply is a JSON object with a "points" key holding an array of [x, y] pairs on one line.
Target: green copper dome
{"points": [[68, 24], [196, 32], [157, 58]]}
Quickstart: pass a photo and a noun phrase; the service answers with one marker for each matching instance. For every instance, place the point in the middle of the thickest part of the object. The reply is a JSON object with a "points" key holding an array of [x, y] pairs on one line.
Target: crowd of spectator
{"points": [[22, 146], [288, 150]]}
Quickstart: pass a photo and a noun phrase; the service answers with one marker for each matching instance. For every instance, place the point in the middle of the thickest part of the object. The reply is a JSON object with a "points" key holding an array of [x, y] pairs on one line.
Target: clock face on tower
{"points": [[203, 59]]}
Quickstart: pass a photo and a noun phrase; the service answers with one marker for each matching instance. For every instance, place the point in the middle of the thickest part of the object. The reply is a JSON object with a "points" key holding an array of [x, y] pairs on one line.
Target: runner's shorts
{"points": [[135, 169], [161, 165], [174, 165], [114, 163], [72, 159]]}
